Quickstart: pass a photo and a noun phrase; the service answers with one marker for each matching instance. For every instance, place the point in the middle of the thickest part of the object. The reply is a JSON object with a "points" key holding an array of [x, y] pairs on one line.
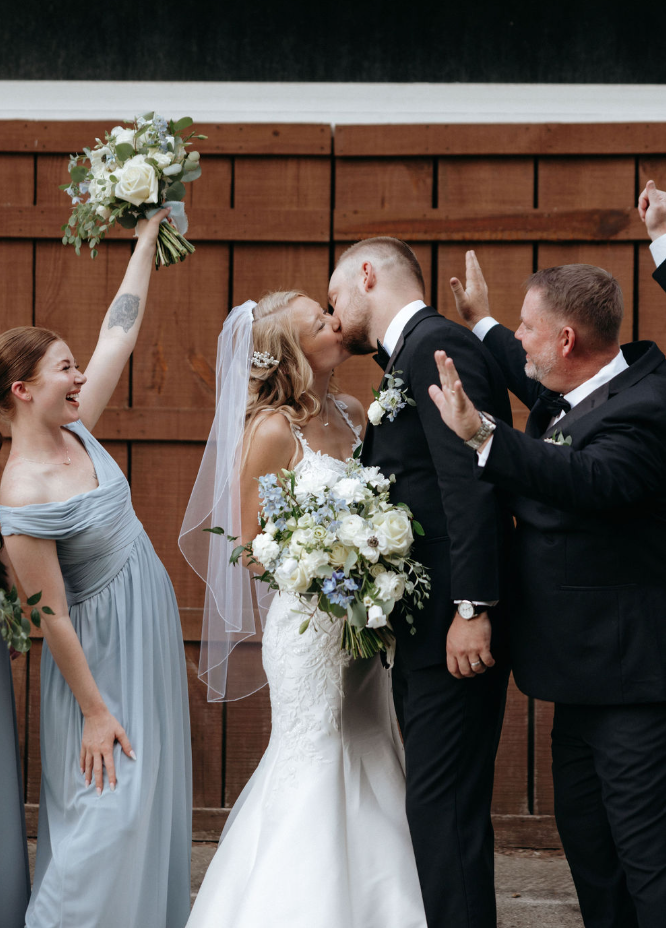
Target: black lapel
{"points": [[642, 358]]}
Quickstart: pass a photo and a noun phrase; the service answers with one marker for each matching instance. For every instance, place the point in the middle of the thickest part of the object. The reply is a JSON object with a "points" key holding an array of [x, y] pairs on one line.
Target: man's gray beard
{"points": [[356, 339], [537, 373]]}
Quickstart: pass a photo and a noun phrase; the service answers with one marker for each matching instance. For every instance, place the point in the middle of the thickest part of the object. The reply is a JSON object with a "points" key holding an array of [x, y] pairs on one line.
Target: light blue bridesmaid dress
{"points": [[14, 873], [122, 859]]}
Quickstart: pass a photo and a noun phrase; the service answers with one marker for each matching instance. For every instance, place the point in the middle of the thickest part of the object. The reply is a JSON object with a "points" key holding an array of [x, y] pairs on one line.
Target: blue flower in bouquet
{"points": [[273, 501], [339, 589]]}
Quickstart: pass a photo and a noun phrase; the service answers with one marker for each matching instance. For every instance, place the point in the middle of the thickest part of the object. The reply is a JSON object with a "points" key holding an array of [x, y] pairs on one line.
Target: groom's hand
{"points": [[472, 299], [468, 646]]}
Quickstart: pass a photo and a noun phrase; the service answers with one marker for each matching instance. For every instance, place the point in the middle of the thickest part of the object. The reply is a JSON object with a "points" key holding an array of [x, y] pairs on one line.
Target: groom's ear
{"points": [[368, 276]]}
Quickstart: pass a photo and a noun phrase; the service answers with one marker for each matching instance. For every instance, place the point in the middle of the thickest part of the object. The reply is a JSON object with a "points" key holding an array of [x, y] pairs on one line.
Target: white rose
{"points": [[307, 485], [162, 158], [137, 182], [270, 528], [103, 211], [306, 521], [397, 530], [312, 561], [123, 136], [350, 490], [390, 585], [265, 549], [338, 554], [376, 617], [375, 413], [292, 576], [375, 478], [352, 529]]}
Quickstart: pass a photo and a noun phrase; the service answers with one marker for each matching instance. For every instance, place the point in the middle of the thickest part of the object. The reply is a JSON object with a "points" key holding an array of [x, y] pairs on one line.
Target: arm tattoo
{"points": [[124, 311]]}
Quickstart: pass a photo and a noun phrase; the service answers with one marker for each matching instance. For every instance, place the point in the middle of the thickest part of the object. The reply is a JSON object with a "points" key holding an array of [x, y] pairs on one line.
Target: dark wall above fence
{"points": [[364, 40]]}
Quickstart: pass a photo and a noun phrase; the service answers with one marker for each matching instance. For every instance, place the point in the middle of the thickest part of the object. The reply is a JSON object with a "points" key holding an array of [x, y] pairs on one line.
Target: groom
{"points": [[451, 672], [588, 621]]}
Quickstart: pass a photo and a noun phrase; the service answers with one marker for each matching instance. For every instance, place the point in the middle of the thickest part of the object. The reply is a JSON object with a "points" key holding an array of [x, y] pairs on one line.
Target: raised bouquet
{"points": [[14, 624], [129, 176], [343, 549]]}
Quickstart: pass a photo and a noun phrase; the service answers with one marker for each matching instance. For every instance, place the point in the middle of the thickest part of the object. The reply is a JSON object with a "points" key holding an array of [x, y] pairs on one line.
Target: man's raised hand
{"points": [[472, 299], [455, 407], [652, 210]]}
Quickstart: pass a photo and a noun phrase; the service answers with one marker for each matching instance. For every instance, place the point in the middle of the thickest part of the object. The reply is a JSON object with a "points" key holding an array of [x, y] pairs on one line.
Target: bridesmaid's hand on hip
{"points": [[100, 733]]}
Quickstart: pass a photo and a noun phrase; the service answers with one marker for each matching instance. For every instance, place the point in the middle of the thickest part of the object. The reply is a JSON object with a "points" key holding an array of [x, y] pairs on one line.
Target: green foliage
{"points": [[14, 624], [124, 151]]}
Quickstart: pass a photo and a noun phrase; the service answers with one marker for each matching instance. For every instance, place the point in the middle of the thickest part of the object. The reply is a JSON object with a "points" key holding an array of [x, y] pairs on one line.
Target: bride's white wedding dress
{"points": [[319, 836]]}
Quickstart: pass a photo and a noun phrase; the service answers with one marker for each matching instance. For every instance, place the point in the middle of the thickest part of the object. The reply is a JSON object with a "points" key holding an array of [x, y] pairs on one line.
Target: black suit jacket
{"points": [[465, 524], [588, 603], [660, 275]]}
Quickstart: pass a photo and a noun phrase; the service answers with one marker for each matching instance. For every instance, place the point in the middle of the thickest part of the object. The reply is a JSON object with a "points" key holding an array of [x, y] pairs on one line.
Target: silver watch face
{"points": [[466, 610]]}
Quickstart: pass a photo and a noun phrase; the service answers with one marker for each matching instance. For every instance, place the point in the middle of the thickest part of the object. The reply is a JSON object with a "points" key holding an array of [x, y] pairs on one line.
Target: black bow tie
{"points": [[554, 402], [382, 357]]}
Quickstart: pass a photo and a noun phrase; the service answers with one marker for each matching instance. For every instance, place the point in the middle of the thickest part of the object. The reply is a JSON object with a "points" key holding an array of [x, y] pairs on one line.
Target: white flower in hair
{"points": [[264, 359]]}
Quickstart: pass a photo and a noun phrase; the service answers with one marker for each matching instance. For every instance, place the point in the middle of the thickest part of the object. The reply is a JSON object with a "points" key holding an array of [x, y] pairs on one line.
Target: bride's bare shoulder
{"points": [[355, 408], [271, 443]]}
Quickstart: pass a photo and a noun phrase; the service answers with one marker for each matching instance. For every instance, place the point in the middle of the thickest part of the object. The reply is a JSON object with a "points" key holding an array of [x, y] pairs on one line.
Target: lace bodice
{"points": [[318, 464]]}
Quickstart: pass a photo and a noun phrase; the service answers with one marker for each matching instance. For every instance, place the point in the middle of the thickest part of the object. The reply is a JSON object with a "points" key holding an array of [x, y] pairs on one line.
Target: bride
{"points": [[319, 836]]}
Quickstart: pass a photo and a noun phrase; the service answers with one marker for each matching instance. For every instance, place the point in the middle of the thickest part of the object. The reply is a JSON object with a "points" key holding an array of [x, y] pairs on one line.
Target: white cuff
{"points": [[484, 326], [485, 451], [658, 249]]}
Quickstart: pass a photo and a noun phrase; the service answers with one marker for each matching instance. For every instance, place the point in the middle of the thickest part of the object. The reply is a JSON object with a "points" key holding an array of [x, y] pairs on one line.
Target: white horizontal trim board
{"points": [[333, 103]]}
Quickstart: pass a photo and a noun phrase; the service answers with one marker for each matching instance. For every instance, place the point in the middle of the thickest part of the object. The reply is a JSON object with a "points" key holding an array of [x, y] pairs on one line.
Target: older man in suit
{"points": [[588, 488]]}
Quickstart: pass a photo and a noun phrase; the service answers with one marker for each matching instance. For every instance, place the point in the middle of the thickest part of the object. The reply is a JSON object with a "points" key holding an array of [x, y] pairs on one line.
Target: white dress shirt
{"points": [[658, 249], [575, 396], [398, 323]]}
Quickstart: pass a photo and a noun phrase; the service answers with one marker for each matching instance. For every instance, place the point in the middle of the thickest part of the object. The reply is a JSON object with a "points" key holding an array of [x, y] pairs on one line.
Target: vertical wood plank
{"points": [[73, 294], [543, 778], [206, 725], [17, 180], [174, 360], [482, 183], [248, 728], [33, 759], [20, 679], [163, 475], [290, 183], [16, 286], [613, 257], [651, 300], [586, 183], [259, 269], [510, 792], [383, 183]]}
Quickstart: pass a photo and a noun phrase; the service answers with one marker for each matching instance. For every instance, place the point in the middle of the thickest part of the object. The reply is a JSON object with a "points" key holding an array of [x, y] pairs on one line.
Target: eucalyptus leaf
{"points": [[191, 175], [182, 124], [47, 610], [303, 627], [127, 220], [176, 191], [78, 174], [418, 528], [34, 599], [215, 531]]}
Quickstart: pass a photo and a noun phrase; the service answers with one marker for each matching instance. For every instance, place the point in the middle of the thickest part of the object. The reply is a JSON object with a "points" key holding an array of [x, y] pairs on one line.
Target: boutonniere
{"points": [[390, 401], [558, 438]]}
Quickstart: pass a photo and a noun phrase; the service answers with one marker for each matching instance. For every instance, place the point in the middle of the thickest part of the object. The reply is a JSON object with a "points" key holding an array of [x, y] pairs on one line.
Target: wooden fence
{"points": [[274, 207]]}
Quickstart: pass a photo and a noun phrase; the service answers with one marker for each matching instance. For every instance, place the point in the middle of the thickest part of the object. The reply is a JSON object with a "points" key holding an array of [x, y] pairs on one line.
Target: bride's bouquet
{"points": [[343, 548], [129, 176]]}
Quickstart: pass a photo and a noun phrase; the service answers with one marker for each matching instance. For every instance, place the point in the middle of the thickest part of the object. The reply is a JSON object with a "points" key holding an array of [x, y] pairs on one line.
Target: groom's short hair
{"points": [[585, 295], [391, 253]]}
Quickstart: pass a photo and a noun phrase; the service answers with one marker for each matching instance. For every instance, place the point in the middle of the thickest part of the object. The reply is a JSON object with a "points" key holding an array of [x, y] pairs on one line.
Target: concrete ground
{"points": [[534, 889]]}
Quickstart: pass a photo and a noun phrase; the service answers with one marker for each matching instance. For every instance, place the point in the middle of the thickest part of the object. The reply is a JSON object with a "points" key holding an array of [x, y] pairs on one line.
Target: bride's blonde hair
{"points": [[288, 386]]}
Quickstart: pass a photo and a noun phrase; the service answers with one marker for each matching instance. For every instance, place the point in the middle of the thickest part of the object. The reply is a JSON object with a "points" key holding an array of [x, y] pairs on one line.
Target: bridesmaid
{"points": [[114, 837], [13, 847]]}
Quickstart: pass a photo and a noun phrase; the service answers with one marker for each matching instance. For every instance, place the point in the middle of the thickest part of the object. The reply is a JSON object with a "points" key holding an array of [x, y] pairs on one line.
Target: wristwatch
{"points": [[486, 429], [469, 610]]}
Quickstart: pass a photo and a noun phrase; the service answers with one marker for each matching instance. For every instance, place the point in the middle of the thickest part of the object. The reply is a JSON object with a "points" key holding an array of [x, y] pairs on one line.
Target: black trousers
{"points": [[609, 772], [451, 730]]}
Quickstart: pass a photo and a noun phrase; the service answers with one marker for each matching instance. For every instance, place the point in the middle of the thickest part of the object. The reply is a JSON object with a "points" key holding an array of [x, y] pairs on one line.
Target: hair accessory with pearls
{"points": [[264, 359]]}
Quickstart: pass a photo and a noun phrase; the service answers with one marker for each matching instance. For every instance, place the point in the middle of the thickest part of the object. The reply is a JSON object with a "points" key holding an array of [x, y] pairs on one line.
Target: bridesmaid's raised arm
{"points": [[121, 325]]}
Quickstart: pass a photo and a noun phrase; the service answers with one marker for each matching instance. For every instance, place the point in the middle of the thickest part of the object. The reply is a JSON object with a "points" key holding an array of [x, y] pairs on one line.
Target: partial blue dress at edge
{"points": [[122, 859], [14, 872]]}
